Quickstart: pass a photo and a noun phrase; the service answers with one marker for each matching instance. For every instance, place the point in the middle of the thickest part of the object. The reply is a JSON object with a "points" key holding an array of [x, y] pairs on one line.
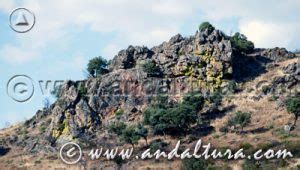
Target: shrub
{"points": [[151, 68], [223, 129], [206, 25], [240, 42], [293, 107], [116, 128], [216, 98], [193, 163], [142, 132], [148, 113], [193, 99], [251, 164], [174, 119], [130, 135], [118, 160], [294, 147], [248, 148], [162, 101], [97, 66], [119, 112], [164, 117], [43, 128], [240, 118], [82, 92], [265, 89], [158, 144], [232, 86]]}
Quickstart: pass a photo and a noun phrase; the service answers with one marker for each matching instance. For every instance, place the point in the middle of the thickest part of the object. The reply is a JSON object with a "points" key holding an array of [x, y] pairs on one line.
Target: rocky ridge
{"points": [[203, 62]]}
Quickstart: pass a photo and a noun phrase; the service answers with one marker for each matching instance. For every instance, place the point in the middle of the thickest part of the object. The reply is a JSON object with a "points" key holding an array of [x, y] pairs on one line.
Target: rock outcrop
{"points": [[203, 62], [277, 54], [291, 78]]}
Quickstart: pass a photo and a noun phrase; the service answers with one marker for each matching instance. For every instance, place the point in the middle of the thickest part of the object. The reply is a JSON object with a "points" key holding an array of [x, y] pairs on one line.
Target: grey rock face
{"points": [[291, 79], [293, 68], [188, 64], [170, 54], [128, 58], [277, 54]]}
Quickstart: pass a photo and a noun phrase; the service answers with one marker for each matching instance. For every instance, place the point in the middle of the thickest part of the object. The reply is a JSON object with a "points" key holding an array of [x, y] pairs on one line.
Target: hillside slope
{"points": [[205, 63]]}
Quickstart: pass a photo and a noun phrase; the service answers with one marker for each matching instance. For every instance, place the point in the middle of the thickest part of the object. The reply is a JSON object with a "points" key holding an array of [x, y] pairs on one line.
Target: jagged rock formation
{"points": [[203, 59], [277, 54], [203, 62], [291, 78]]}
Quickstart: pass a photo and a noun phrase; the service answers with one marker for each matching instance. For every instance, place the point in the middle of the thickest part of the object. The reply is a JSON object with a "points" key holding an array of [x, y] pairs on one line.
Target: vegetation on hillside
{"points": [[239, 119], [151, 68], [293, 107], [206, 26], [241, 43], [174, 119], [97, 66]]}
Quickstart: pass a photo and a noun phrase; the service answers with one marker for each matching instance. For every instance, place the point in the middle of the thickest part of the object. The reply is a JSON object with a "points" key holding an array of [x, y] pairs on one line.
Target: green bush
{"points": [[216, 98], [193, 99], [264, 164], [119, 112], [232, 86], [162, 101], [118, 160], [97, 66], [142, 132], [293, 107], [193, 163], [158, 144], [43, 128], [248, 148], [223, 129], [116, 127], [240, 42], [250, 165], [151, 68], [174, 119], [293, 147], [240, 119], [130, 135], [82, 92], [206, 25]]}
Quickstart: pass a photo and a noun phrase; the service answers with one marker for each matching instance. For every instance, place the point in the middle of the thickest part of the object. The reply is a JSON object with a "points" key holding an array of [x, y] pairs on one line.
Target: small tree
{"points": [[82, 91], [193, 163], [97, 66], [116, 128], [240, 42], [232, 86], [215, 99], [240, 118], [293, 107], [151, 68], [142, 131], [206, 25], [129, 135], [174, 119]]}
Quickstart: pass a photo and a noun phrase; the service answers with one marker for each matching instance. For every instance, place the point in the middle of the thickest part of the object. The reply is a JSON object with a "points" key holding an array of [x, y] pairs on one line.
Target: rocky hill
{"points": [[205, 63]]}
